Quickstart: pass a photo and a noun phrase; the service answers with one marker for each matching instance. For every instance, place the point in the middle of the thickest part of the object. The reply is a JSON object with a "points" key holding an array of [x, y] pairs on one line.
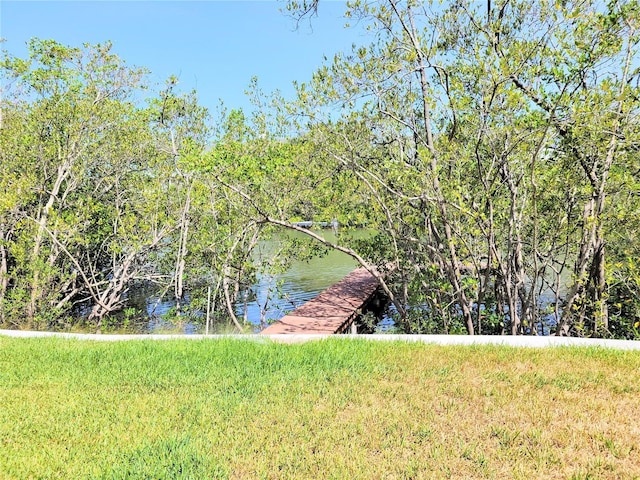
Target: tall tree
{"points": [[73, 106], [480, 131], [180, 127]]}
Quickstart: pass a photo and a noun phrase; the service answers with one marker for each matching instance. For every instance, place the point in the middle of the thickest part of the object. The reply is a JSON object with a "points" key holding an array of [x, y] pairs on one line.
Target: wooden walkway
{"points": [[333, 311]]}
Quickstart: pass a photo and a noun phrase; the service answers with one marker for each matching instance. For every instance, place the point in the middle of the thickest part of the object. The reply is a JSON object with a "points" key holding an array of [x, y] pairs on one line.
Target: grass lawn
{"points": [[336, 408]]}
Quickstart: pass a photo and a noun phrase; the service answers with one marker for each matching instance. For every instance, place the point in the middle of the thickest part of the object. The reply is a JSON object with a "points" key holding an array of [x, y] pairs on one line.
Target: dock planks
{"points": [[333, 310]]}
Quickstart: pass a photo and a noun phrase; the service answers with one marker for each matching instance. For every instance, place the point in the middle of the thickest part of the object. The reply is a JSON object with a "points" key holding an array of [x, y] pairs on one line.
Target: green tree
{"points": [[481, 132], [71, 108]]}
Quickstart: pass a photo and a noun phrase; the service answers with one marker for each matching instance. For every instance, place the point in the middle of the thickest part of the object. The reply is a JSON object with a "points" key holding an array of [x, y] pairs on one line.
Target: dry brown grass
{"points": [[451, 412]]}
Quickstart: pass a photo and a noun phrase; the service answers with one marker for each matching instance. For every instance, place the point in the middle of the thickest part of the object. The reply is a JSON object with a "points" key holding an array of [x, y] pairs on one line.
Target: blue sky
{"points": [[212, 46]]}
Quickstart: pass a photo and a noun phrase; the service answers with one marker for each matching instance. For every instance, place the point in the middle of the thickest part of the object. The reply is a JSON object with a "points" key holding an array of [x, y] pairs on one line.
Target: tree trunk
{"points": [[452, 266], [111, 297], [4, 274], [182, 253], [63, 172]]}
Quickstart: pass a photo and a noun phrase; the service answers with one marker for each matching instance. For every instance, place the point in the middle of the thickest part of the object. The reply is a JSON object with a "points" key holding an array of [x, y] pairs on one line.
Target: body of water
{"points": [[275, 295], [276, 292], [272, 296]]}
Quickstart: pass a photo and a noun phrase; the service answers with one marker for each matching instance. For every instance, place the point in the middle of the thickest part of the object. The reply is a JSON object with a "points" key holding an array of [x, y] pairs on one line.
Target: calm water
{"points": [[270, 298], [274, 295]]}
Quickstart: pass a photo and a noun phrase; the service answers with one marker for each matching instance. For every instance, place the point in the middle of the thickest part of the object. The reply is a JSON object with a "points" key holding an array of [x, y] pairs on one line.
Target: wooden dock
{"points": [[333, 311]]}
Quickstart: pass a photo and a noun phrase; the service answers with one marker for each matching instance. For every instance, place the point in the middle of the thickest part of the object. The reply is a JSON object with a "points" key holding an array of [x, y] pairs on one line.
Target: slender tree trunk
{"points": [[453, 265], [228, 297], [4, 274], [63, 173], [182, 252], [111, 297]]}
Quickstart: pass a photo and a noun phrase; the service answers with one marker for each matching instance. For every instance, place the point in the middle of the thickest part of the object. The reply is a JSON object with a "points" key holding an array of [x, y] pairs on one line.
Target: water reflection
{"points": [[276, 294], [277, 291]]}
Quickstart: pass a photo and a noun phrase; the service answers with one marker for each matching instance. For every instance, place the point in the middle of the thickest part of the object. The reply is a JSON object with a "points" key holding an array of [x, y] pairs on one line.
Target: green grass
{"points": [[337, 408]]}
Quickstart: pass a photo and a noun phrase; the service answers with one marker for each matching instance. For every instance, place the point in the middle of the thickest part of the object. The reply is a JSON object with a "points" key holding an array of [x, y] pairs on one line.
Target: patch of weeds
{"points": [[177, 458], [476, 456], [506, 438], [536, 379], [614, 447], [423, 435], [500, 376]]}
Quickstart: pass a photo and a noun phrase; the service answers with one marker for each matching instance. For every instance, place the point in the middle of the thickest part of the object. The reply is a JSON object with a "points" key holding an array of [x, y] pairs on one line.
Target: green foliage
{"points": [[489, 143], [100, 193], [492, 147]]}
